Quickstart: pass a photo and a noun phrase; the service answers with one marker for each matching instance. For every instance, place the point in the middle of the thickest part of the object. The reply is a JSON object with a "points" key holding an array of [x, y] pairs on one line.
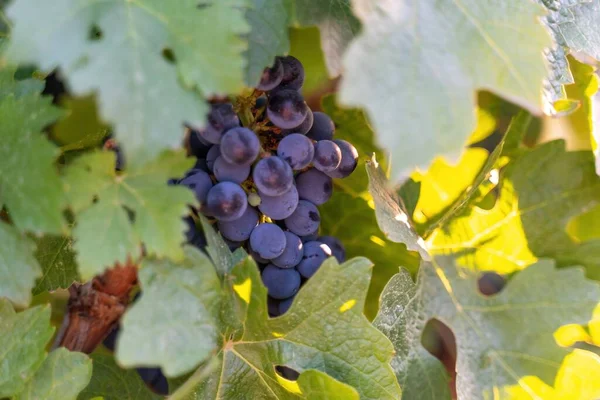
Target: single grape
{"points": [[273, 176], [305, 219], [226, 201], [311, 237], [349, 160], [200, 182], [271, 76], [292, 254], [322, 127], [303, 128], [198, 146], [281, 283], [268, 240], [240, 146], [327, 156], [225, 171], [240, 229], [233, 245], [220, 118], [287, 109], [254, 199], [297, 150], [337, 248], [314, 186], [155, 379], [490, 283], [273, 306], [285, 305], [314, 255], [293, 73], [257, 257], [212, 155], [279, 207]]}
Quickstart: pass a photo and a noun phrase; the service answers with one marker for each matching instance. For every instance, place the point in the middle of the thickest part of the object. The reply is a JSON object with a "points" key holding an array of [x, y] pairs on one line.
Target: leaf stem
{"points": [[193, 381]]}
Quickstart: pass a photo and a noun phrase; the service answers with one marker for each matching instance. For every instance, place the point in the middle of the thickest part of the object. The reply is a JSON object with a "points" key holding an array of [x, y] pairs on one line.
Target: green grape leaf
{"points": [[18, 266], [105, 232], [23, 338], [392, 217], [120, 49], [352, 220], [173, 324], [475, 43], [110, 382], [217, 249], [62, 375], [315, 385], [447, 190], [500, 339], [539, 192], [583, 90], [81, 128], [577, 379], [268, 37], [324, 330], [29, 183], [574, 26], [56, 256], [336, 22]]}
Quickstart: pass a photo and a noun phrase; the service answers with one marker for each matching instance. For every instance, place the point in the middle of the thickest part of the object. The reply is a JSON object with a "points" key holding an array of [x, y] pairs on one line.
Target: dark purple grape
{"points": [[226, 201], [336, 246], [310, 238], [240, 146], [220, 119], [322, 127], [303, 128], [273, 306], [271, 76], [314, 186], [241, 228], [293, 73], [279, 207], [305, 220], [212, 155], [200, 182], [281, 283], [314, 255], [268, 240], [284, 305], [327, 156], [154, 378], [287, 109], [198, 146], [292, 255], [257, 257], [233, 245], [273, 176], [297, 150], [349, 160], [226, 172]]}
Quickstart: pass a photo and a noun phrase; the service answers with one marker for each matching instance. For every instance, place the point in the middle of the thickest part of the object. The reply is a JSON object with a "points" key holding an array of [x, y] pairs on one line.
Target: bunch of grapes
{"points": [[262, 183]]}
